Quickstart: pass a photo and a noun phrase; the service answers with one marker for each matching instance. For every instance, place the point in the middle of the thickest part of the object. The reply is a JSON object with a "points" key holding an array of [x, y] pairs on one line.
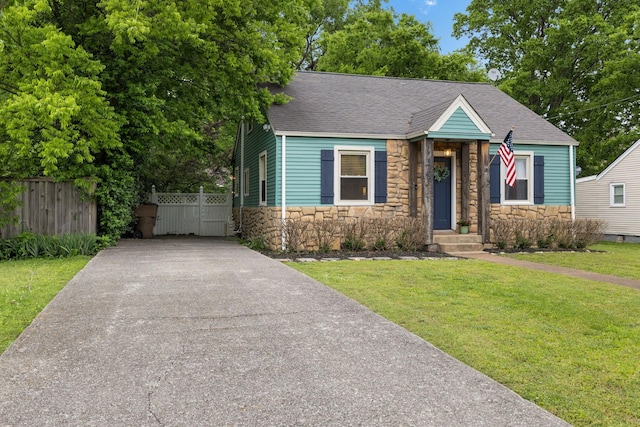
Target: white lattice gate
{"points": [[200, 214]]}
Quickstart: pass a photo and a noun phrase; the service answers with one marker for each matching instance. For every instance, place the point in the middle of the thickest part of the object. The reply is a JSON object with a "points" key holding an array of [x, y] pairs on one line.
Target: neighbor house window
{"points": [[262, 173], [617, 195], [245, 182], [522, 192], [354, 175]]}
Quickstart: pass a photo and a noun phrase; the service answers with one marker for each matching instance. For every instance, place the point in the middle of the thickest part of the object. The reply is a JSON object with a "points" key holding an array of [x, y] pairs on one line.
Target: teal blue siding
{"points": [[303, 166], [256, 142], [557, 180], [459, 126]]}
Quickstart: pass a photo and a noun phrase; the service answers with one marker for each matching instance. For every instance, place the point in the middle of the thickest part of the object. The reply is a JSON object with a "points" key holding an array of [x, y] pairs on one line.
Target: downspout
{"points": [[283, 188], [571, 183], [241, 177]]}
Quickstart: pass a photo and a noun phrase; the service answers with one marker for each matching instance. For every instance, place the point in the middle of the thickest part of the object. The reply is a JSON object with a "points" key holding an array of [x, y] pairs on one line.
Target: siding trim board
{"points": [[615, 163]]}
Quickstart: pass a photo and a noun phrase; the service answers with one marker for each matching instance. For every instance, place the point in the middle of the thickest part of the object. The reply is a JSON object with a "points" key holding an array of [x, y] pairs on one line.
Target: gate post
{"points": [[201, 211]]}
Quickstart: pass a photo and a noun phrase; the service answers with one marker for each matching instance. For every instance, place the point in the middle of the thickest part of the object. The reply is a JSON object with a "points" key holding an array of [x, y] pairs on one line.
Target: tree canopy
{"points": [[571, 61], [117, 87], [376, 41]]}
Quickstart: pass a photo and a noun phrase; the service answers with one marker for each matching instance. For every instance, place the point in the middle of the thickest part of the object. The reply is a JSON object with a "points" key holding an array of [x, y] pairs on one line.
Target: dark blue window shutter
{"points": [[494, 180], [326, 177], [380, 181], [538, 180]]}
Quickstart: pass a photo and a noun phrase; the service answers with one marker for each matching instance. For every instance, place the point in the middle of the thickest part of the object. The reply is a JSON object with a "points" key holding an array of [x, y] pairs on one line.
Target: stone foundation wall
{"points": [[538, 212], [266, 222]]}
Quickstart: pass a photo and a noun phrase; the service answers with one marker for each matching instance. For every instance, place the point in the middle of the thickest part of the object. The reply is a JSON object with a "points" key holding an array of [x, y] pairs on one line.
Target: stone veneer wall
{"points": [[539, 212], [266, 222]]}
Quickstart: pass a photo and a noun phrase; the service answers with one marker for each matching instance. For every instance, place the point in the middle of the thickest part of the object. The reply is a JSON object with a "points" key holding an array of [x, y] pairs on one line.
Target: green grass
{"points": [[570, 345], [617, 259], [26, 287]]}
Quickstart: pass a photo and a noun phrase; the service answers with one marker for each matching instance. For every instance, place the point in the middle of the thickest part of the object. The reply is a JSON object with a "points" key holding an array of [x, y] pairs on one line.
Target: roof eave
{"points": [[339, 135]]}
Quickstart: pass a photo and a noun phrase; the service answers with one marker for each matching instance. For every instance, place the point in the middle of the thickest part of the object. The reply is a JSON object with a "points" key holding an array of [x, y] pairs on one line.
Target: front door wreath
{"points": [[441, 172]]}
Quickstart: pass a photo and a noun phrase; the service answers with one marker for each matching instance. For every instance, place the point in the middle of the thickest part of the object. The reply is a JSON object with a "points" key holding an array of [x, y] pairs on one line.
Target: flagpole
{"points": [[494, 156]]}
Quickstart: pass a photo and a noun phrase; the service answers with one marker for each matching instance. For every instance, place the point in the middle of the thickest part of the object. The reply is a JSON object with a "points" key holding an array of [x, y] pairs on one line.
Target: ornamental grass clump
{"points": [[29, 245]]}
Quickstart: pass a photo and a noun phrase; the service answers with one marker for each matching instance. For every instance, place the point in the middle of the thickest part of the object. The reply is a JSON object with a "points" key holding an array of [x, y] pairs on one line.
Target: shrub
{"points": [[502, 233], [29, 245], [409, 233], [117, 196], [379, 231], [544, 232], [564, 234], [257, 243], [588, 232], [354, 236], [325, 231], [297, 233]]}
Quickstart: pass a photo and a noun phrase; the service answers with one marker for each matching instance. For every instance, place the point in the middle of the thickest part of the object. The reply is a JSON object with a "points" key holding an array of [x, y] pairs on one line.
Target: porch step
{"points": [[452, 242]]}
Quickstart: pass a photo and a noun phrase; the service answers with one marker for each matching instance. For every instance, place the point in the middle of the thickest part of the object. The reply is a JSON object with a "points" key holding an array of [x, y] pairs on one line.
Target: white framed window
{"points": [[236, 181], [617, 195], [245, 182], [522, 192], [353, 175], [262, 177]]}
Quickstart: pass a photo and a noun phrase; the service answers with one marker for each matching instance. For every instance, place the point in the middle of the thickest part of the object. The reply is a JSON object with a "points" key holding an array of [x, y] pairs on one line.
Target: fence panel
{"points": [[52, 208], [201, 214]]}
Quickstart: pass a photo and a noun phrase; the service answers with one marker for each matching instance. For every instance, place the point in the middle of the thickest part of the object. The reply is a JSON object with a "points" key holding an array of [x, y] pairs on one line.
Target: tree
{"points": [[556, 57], [377, 41], [114, 89], [325, 17]]}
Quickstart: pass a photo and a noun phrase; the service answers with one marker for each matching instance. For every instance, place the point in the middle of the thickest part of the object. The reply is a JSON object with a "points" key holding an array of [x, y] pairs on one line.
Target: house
{"points": [[353, 146], [613, 196]]}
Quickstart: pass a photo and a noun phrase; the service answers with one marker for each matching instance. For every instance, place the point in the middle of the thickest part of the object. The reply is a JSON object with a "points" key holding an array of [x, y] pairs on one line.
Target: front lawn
{"points": [[568, 344], [617, 259], [27, 286]]}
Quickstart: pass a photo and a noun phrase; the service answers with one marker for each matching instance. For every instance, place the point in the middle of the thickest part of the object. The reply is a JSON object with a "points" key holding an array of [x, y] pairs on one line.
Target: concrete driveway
{"points": [[205, 332]]}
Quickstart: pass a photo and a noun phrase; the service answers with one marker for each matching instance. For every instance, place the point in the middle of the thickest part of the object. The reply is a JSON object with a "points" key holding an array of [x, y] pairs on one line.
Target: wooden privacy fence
{"points": [[52, 208], [200, 214]]}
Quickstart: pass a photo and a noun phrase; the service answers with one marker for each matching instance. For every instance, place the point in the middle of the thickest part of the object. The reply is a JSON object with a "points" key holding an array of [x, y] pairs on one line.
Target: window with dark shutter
{"points": [[326, 177]]}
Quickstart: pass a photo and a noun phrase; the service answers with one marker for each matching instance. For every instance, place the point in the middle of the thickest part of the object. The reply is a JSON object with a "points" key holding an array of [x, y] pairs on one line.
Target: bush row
{"points": [[376, 234], [551, 234], [28, 245]]}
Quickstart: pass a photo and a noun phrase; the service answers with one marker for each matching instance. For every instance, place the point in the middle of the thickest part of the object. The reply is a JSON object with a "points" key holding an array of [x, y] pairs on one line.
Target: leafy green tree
{"points": [[325, 17], [55, 117], [377, 41], [126, 91], [558, 57]]}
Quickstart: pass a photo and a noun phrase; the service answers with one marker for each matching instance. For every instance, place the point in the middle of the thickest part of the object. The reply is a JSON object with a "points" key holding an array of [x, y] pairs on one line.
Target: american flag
{"points": [[506, 154]]}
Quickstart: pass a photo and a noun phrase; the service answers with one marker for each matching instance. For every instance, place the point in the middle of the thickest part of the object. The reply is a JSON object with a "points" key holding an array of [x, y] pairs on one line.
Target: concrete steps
{"points": [[450, 242]]}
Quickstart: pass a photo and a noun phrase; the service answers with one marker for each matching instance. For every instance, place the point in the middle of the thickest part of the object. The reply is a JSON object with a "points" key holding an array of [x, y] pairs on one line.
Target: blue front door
{"points": [[442, 193]]}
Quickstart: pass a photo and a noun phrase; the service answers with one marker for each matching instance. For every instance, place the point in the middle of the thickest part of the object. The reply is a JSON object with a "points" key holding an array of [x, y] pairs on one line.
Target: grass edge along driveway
{"points": [[27, 286], [615, 259], [570, 345]]}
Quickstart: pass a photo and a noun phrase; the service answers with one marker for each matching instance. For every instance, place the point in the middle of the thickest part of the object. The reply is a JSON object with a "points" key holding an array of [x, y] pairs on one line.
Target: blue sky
{"points": [[439, 13]]}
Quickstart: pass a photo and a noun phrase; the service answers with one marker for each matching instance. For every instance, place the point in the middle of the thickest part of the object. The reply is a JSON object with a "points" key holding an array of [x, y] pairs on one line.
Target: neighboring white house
{"points": [[614, 196]]}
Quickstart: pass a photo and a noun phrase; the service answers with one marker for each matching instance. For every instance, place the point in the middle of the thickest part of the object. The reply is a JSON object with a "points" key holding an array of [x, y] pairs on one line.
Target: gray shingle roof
{"points": [[349, 104], [423, 119]]}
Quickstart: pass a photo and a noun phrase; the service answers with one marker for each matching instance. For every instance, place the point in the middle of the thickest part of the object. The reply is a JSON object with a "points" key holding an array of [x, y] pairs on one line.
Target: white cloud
{"points": [[428, 4]]}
